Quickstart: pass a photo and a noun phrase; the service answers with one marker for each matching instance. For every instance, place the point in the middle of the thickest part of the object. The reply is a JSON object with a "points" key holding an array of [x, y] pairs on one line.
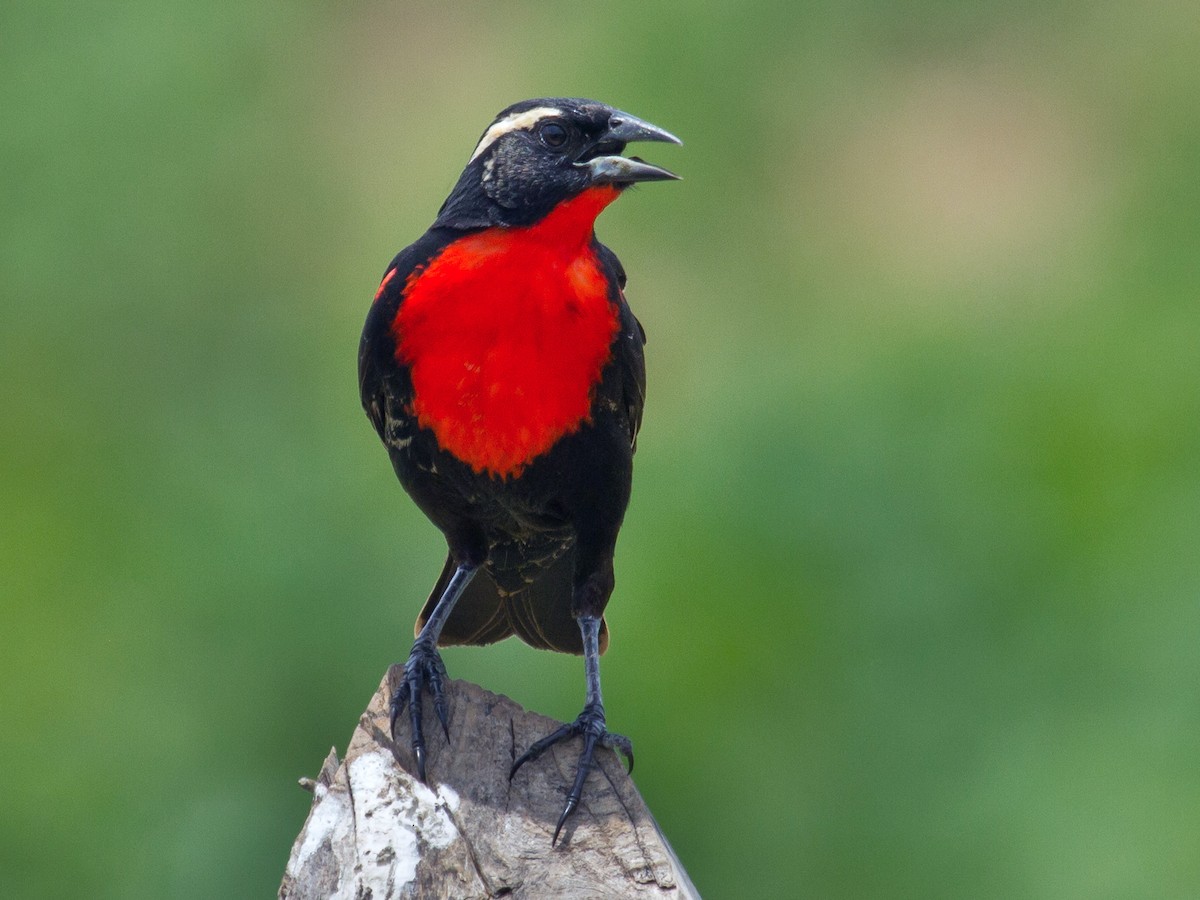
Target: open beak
{"points": [[620, 170]]}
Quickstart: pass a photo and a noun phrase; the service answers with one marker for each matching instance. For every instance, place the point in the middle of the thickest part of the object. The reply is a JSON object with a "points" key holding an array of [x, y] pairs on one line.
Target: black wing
{"points": [[628, 354]]}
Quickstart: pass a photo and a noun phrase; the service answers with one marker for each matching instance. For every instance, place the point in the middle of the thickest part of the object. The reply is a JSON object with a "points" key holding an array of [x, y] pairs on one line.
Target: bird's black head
{"points": [[538, 153]]}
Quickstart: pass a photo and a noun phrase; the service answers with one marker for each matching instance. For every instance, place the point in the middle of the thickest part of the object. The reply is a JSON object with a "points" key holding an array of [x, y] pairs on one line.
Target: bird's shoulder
{"points": [[378, 371]]}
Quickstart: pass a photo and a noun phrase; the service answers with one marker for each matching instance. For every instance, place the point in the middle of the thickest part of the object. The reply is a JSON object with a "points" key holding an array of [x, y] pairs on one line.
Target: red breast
{"points": [[506, 333]]}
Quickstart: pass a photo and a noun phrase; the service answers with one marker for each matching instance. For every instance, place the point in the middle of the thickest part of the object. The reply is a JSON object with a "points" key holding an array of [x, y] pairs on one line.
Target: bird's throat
{"points": [[506, 334]]}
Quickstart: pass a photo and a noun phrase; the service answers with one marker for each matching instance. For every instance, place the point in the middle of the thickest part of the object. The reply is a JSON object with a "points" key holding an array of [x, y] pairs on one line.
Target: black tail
{"points": [[538, 613]]}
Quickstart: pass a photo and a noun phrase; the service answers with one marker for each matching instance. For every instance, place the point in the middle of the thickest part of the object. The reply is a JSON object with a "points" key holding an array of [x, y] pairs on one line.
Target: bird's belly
{"points": [[505, 339]]}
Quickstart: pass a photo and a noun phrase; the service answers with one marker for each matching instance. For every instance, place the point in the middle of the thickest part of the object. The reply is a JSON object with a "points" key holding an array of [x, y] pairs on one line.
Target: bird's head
{"points": [[538, 153]]}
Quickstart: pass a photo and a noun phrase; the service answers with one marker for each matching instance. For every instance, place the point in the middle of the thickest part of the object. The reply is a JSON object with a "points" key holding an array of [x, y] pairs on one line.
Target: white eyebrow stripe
{"points": [[514, 122]]}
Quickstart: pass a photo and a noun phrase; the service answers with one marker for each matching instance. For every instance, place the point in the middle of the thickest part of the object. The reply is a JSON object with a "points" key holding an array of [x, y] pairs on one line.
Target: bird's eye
{"points": [[553, 135]]}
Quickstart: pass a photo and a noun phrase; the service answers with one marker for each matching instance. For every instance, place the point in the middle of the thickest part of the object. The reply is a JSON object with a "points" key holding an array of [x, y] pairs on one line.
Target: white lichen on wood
{"points": [[376, 831]]}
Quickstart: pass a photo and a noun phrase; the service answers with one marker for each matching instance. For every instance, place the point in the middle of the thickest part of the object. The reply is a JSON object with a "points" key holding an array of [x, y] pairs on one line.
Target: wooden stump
{"points": [[376, 832]]}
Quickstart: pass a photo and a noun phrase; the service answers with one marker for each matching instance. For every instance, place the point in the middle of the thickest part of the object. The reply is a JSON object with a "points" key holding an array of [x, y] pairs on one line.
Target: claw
{"points": [[439, 702], [418, 737], [419, 753], [591, 726], [570, 808], [581, 773], [399, 701], [424, 670], [622, 745], [537, 748]]}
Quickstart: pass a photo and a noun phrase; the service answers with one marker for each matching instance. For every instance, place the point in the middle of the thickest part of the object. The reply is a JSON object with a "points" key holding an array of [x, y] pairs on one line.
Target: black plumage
{"points": [[530, 551]]}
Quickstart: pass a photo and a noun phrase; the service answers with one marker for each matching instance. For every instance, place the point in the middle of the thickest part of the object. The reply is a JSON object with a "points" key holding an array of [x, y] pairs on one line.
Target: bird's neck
{"points": [[571, 223]]}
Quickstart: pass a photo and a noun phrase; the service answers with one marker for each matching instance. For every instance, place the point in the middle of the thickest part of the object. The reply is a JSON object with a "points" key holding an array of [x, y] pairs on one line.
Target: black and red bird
{"points": [[503, 370]]}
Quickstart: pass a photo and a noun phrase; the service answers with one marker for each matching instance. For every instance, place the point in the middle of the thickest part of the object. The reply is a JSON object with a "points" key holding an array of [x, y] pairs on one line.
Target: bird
{"points": [[503, 370]]}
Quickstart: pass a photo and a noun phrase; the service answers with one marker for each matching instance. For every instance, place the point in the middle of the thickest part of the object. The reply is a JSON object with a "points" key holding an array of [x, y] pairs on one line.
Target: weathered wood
{"points": [[376, 832]]}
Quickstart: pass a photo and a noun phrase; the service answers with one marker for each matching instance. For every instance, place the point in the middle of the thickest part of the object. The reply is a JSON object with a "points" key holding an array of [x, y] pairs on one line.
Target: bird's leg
{"points": [[590, 725], [424, 667]]}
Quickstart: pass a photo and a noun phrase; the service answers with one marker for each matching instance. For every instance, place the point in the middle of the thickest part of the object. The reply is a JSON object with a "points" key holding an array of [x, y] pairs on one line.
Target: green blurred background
{"points": [[907, 594]]}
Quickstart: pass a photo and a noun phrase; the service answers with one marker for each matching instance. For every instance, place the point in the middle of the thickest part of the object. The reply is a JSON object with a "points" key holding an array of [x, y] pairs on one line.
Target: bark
{"points": [[376, 832]]}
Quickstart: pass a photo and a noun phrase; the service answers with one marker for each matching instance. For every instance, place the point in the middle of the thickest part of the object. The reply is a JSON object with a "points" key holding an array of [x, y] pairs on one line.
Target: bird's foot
{"points": [[592, 728], [424, 669]]}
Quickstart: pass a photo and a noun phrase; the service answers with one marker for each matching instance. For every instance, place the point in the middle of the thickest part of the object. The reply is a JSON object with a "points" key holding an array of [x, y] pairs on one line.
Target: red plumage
{"points": [[506, 333]]}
